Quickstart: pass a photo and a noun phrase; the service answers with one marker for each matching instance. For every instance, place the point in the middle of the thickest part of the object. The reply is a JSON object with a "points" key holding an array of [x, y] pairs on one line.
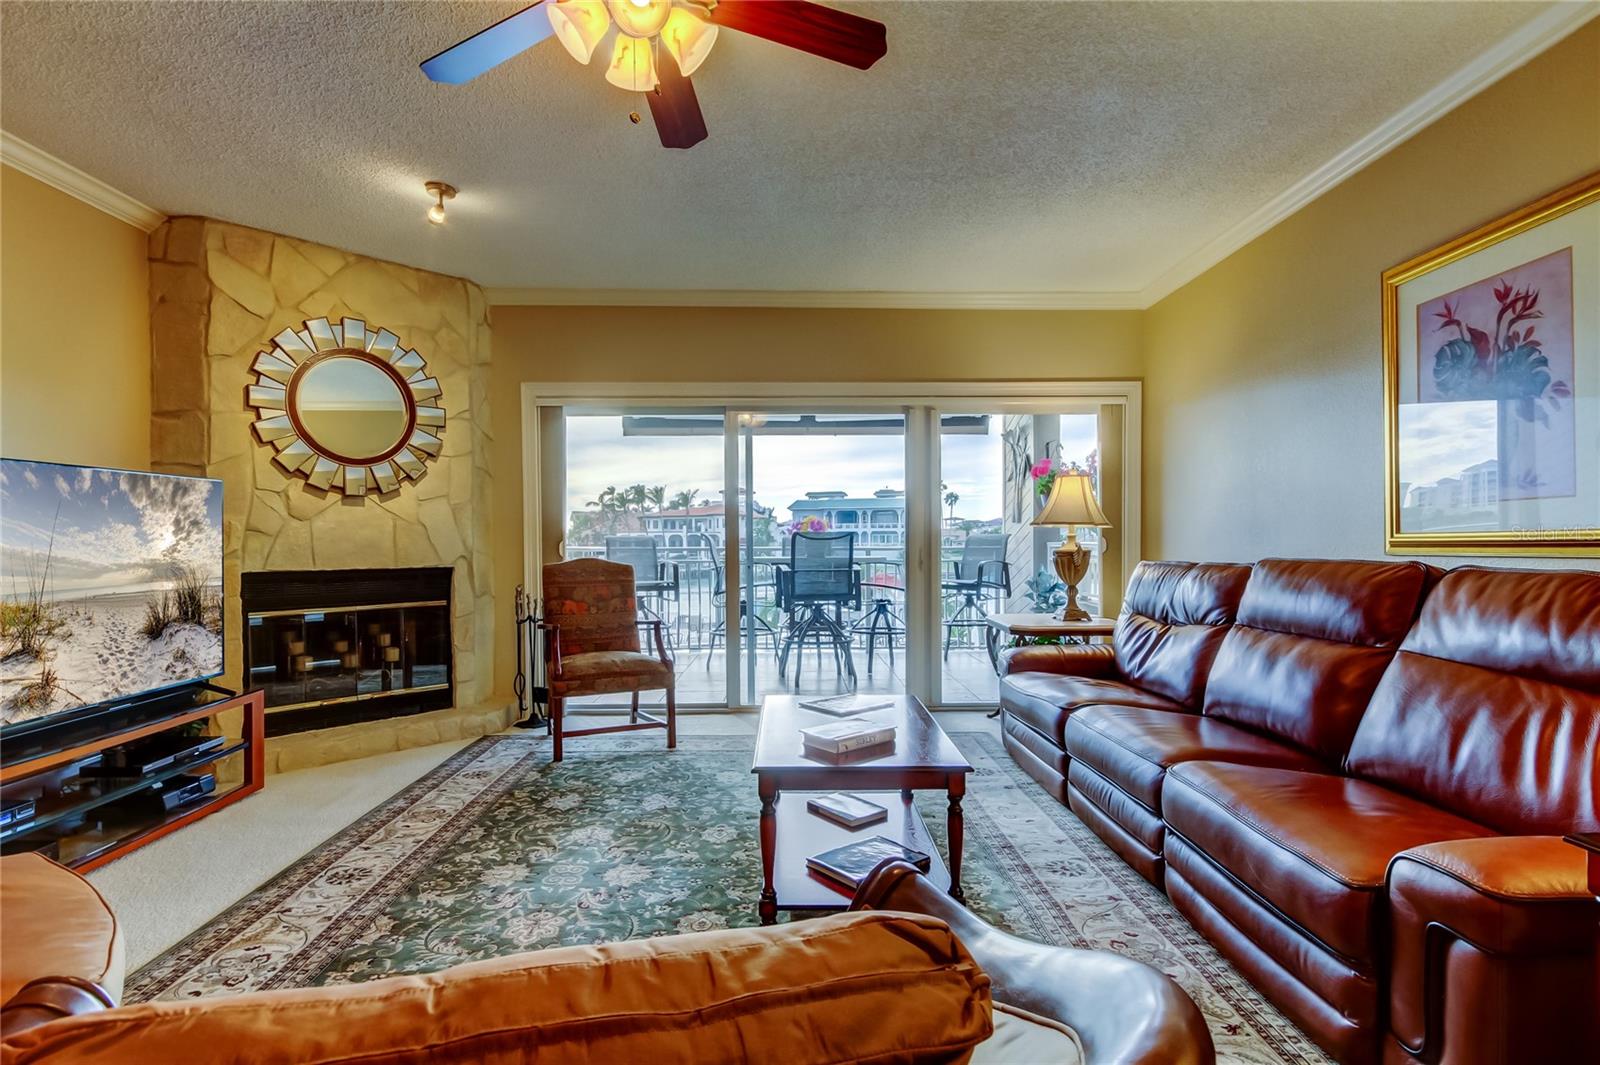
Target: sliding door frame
{"points": [[923, 402]]}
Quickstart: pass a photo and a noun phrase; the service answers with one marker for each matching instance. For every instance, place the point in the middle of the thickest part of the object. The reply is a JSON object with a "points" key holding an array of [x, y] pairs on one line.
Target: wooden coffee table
{"points": [[922, 757]]}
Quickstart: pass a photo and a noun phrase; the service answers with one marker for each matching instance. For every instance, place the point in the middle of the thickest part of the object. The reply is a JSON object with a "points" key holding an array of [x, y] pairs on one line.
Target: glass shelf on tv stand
{"points": [[96, 795]]}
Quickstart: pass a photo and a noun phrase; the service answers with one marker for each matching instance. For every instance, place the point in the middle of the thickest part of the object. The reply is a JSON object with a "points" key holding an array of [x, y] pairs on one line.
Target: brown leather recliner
{"points": [[1407, 900], [1172, 622], [1286, 689]]}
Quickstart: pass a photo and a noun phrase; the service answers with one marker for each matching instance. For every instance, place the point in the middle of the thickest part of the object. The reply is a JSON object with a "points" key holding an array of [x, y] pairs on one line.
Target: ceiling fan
{"points": [[685, 29]]}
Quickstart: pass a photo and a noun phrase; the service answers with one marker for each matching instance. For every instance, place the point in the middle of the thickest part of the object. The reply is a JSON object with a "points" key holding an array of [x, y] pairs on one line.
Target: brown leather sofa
{"points": [[910, 977], [1365, 813]]}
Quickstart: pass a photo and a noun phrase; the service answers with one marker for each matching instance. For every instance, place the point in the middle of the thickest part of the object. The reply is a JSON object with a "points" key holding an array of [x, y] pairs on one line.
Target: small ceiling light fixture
{"points": [[441, 192]]}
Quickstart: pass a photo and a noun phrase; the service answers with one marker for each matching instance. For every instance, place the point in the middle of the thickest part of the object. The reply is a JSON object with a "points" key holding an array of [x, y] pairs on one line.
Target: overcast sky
{"points": [[104, 530], [787, 467]]}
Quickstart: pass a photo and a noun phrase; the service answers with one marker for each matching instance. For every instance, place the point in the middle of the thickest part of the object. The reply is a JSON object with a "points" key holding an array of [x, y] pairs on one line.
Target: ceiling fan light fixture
{"points": [[640, 18], [689, 37], [580, 25], [633, 67], [440, 191]]}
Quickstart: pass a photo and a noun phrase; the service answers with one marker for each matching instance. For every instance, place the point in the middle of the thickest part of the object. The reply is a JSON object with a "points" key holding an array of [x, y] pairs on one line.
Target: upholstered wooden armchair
{"points": [[591, 629]]}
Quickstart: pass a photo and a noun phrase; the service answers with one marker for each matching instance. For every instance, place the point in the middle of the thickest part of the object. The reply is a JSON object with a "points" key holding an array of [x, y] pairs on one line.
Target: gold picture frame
{"points": [[1492, 414]]}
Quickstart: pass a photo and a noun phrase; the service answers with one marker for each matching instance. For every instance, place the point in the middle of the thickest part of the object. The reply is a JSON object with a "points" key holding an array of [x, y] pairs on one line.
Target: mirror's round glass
{"points": [[351, 409]]}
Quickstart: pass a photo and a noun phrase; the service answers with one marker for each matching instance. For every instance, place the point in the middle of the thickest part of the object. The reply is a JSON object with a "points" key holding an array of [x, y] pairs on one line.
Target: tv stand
{"points": [[84, 821]]}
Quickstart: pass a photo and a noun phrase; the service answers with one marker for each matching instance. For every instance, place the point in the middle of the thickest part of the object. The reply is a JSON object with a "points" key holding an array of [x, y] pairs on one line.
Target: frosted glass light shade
{"points": [[632, 66], [640, 18], [689, 38], [579, 25], [1071, 502]]}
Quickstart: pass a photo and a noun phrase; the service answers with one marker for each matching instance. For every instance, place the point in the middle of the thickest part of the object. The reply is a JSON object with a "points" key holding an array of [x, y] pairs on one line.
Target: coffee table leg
{"points": [[957, 828], [769, 849]]}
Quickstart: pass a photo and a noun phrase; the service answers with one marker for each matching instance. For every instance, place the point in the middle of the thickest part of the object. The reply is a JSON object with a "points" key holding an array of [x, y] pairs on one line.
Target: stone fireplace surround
{"points": [[218, 293]]}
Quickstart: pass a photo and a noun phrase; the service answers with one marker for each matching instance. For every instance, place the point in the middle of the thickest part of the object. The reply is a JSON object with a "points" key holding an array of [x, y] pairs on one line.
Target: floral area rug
{"points": [[498, 850]]}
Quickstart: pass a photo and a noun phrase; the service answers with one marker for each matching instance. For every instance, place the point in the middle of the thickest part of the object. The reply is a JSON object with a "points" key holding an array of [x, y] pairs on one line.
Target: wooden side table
{"points": [[1012, 627], [1009, 628]]}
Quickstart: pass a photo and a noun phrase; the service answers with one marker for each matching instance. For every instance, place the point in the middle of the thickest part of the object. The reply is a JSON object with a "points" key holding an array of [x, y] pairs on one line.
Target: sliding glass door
{"points": [[843, 545]]}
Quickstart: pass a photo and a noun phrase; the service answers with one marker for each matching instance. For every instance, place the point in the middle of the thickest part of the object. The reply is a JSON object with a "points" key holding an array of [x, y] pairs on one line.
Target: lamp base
{"points": [[1072, 564]]}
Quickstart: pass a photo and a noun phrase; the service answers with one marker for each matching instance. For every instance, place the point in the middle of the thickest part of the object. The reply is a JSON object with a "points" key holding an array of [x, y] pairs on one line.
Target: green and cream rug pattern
{"points": [[498, 850]]}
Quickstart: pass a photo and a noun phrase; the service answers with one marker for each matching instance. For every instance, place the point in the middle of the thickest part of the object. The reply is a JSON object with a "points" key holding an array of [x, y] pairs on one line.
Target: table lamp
{"points": [[1071, 503]]}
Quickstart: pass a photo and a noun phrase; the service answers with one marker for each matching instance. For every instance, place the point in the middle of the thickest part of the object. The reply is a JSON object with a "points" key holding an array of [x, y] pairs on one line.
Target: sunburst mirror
{"points": [[349, 409]]}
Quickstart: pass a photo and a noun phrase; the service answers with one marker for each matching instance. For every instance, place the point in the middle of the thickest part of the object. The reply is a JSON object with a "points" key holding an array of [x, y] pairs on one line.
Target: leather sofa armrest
{"points": [[50, 998], [1076, 660], [1123, 1011], [1495, 937]]}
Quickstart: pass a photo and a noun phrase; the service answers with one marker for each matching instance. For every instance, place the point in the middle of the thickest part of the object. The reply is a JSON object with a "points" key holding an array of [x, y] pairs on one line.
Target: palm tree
{"points": [[950, 500], [682, 500], [634, 496], [657, 495]]}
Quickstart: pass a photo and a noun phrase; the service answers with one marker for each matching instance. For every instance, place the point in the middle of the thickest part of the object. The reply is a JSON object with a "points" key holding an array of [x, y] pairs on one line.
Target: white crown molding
{"points": [[1530, 40], [38, 163], [683, 297]]}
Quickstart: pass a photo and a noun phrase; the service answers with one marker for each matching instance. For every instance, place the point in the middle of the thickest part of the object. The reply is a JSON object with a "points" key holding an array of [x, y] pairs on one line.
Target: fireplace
{"points": [[337, 647]]}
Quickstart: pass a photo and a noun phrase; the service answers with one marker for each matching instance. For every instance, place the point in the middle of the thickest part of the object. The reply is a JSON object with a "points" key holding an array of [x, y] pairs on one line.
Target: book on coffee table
{"points": [[841, 737], [850, 864], [847, 705], [851, 811]]}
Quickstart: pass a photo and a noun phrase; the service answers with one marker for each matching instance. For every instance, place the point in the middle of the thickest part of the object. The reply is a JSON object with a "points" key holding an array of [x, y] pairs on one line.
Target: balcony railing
{"points": [[693, 614]]}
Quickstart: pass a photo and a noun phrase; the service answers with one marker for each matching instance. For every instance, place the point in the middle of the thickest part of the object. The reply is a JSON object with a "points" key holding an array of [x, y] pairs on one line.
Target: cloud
{"points": [[175, 517], [62, 486], [29, 476], [85, 480]]}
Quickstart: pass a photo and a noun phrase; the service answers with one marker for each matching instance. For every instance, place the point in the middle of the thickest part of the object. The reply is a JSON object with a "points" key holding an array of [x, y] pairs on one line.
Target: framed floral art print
{"points": [[1491, 347]]}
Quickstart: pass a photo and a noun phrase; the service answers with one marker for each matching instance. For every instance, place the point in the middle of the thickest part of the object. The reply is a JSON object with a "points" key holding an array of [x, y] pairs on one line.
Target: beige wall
{"points": [[746, 344], [74, 330], [1264, 402]]}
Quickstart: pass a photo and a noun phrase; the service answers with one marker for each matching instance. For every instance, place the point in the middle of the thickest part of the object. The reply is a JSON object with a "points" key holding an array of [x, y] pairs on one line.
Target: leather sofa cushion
{"points": [[1173, 617], [874, 986], [1045, 701], [1311, 640], [1492, 706], [1313, 846], [54, 923], [1133, 748]]}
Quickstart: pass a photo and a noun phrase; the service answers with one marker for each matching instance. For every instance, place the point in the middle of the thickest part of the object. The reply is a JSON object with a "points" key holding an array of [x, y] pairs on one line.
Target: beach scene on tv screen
{"points": [[110, 585]]}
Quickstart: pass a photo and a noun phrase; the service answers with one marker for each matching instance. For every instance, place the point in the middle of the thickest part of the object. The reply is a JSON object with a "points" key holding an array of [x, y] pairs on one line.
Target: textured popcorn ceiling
{"points": [[1000, 146]]}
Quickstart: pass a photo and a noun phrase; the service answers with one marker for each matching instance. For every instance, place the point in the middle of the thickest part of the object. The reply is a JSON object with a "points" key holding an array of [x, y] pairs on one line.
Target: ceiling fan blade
{"points": [[676, 109], [487, 49], [844, 38]]}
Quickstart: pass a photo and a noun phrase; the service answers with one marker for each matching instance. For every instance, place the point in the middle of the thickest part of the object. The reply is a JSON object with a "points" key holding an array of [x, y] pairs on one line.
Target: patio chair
{"points": [[817, 585], [981, 572], [719, 599], [591, 626], [652, 577]]}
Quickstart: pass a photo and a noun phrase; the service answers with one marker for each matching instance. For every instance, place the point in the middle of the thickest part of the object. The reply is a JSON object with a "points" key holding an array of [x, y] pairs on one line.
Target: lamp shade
{"points": [[632, 66], [689, 38], [640, 18], [1071, 502], [579, 25]]}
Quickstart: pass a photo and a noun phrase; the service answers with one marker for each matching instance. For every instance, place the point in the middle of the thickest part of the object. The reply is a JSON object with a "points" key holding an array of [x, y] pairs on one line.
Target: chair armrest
{"points": [[668, 573], [1467, 915], [661, 643], [1123, 1011], [1073, 660], [552, 647], [50, 998], [1002, 580]]}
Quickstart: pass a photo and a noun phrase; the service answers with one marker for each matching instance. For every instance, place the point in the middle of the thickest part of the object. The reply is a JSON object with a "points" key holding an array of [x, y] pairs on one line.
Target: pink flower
{"points": [[1040, 468]]}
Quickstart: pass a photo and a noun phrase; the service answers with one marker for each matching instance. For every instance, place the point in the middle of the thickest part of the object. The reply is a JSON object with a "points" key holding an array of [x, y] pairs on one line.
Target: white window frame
{"points": [[922, 401]]}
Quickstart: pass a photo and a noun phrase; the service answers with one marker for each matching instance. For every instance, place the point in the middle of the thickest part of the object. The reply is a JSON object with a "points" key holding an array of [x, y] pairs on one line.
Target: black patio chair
{"points": [[719, 599], [654, 581], [981, 573], [815, 588]]}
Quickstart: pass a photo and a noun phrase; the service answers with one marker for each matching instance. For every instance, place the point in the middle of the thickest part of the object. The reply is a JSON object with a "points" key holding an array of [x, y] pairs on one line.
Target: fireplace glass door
{"points": [[304, 658]]}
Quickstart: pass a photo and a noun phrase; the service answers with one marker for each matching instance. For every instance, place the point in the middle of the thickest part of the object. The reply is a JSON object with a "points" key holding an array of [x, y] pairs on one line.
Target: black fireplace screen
{"points": [[319, 639]]}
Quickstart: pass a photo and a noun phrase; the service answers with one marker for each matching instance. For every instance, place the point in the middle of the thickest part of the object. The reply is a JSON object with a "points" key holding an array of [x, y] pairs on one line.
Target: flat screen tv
{"points": [[110, 589]]}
